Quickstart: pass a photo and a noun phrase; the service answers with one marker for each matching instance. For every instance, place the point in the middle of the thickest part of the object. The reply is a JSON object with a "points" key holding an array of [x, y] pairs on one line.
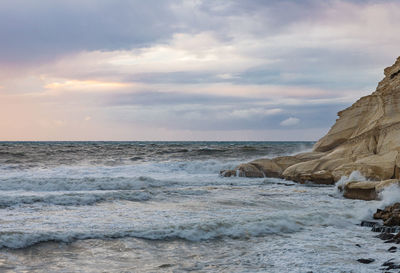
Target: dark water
{"points": [[51, 154]]}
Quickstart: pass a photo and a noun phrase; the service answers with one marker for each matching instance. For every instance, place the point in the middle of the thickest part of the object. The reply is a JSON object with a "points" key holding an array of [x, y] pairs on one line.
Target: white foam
{"points": [[354, 176], [389, 195]]}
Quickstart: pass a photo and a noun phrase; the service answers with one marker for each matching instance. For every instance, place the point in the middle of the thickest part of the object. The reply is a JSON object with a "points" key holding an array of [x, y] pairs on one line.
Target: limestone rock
{"points": [[227, 173], [367, 190], [364, 190], [249, 170], [365, 138], [266, 167], [386, 183]]}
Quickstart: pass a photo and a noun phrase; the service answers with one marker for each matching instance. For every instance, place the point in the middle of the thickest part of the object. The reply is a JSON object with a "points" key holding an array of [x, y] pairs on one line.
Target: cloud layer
{"points": [[182, 70]]}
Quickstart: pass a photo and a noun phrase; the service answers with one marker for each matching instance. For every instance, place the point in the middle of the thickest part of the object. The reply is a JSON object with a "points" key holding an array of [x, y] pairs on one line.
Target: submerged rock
{"points": [[366, 261], [390, 264], [392, 249], [365, 138]]}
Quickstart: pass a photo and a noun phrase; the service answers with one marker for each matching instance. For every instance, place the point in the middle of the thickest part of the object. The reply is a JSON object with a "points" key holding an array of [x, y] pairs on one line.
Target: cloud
{"points": [[41, 30], [248, 113], [290, 121], [188, 67], [84, 85]]}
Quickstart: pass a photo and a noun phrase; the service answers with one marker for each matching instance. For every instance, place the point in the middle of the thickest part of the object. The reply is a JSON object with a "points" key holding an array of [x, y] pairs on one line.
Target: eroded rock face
{"points": [[365, 138]]}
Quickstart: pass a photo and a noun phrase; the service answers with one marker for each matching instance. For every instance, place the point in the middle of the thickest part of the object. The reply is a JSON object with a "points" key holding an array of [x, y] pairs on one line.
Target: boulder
{"points": [[248, 170], [364, 190]]}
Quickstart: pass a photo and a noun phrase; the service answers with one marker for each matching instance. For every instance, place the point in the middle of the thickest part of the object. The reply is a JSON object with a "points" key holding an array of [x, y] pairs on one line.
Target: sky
{"points": [[188, 69]]}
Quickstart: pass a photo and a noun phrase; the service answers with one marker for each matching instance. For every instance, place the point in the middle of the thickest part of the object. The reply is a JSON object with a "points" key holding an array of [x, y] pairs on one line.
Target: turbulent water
{"points": [[162, 207]]}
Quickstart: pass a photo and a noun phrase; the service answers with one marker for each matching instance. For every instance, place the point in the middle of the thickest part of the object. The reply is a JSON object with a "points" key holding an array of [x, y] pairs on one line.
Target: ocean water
{"points": [[162, 207]]}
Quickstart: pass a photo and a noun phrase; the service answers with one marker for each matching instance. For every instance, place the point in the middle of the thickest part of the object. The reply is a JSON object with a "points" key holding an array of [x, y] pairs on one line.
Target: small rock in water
{"points": [[390, 265], [366, 261], [393, 220], [392, 249], [369, 223], [395, 239], [385, 236], [388, 262], [165, 265], [390, 215]]}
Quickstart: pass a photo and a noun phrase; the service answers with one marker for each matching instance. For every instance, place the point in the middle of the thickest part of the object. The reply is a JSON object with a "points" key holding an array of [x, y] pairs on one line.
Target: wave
{"points": [[81, 184], [13, 154], [191, 231], [89, 177], [72, 198]]}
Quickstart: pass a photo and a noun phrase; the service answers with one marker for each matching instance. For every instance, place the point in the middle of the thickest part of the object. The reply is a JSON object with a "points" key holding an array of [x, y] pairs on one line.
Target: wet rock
{"points": [[249, 170], [392, 249], [366, 261], [369, 223], [360, 190], [389, 264], [227, 173], [385, 236], [378, 214], [393, 220], [390, 215], [365, 190], [395, 239], [165, 265], [385, 229]]}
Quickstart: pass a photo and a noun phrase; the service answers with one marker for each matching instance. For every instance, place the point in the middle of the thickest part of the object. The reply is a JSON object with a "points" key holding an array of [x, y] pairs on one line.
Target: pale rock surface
{"points": [[386, 183]]}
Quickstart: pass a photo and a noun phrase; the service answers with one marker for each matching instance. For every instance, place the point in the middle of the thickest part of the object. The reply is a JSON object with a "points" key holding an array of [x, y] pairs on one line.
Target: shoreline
{"points": [[389, 232]]}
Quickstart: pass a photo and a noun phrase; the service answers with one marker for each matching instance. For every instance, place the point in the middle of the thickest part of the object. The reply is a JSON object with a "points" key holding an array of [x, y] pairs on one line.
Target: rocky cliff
{"points": [[365, 138]]}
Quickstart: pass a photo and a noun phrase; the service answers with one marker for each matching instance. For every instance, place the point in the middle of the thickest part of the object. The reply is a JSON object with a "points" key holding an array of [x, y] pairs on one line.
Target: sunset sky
{"points": [[188, 70]]}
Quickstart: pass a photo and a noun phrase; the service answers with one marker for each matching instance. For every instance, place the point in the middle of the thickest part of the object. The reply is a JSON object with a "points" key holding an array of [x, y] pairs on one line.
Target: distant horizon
{"points": [[188, 69], [160, 141]]}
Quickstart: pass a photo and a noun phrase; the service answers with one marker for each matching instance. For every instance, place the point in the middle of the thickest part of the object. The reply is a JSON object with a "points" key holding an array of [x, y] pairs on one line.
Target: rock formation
{"points": [[365, 138]]}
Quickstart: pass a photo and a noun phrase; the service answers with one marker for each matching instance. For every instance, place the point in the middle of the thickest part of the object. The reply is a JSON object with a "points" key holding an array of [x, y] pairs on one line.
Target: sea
{"points": [[163, 207]]}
